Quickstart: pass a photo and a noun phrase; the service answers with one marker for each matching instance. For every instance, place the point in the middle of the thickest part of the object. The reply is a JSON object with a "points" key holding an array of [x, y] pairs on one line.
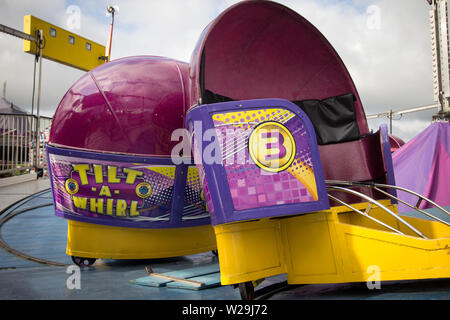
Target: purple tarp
{"points": [[423, 165]]}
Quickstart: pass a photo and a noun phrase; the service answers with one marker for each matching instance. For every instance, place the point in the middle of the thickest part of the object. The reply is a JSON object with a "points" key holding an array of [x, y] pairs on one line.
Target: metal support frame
{"points": [[110, 10], [39, 40], [365, 214], [17, 33], [391, 113], [440, 51], [370, 200], [337, 185], [441, 67], [40, 34]]}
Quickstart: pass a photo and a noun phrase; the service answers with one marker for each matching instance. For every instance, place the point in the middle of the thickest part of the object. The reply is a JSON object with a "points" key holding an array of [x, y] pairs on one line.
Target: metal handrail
{"points": [[20, 144], [413, 193], [377, 186], [369, 199], [365, 214], [415, 208]]}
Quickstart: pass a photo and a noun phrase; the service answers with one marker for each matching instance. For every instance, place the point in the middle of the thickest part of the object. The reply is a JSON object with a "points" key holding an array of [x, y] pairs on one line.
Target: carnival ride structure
{"points": [[111, 169], [295, 182], [313, 195]]}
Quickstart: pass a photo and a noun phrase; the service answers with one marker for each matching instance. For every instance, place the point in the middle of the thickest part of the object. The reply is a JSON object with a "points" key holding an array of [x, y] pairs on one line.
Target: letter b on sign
{"points": [[272, 147]]}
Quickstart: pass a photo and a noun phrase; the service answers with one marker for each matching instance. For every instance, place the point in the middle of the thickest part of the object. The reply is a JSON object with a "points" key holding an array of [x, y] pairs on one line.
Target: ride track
{"points": [[10, 212], [14, 210], [247, 290]]}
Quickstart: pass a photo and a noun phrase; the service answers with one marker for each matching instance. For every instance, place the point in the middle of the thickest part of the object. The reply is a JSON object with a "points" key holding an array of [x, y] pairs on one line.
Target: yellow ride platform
{"points": [[333, 246], [89, 240]]}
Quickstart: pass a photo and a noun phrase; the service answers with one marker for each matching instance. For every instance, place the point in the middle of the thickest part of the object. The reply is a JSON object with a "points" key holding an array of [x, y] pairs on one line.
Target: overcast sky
{"points": [[385, 44]]}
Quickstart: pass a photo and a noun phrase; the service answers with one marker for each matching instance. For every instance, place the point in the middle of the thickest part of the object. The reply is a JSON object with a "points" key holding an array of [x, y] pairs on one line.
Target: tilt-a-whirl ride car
{"points": [[111, 170], [287, 177], [300, 185]]}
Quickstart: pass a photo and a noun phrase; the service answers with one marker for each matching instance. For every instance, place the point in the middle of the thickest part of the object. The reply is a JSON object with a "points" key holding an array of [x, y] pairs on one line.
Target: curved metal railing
{"points": [[377, 186], [372, 201]]}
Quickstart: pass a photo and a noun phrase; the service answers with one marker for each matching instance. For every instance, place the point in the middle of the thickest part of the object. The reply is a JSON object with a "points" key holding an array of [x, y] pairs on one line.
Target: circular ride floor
{"points": [[33, 231]]}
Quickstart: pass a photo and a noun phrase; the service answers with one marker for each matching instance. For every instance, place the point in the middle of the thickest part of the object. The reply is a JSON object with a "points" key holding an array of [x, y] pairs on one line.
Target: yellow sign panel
{"points": [[63, 46]]}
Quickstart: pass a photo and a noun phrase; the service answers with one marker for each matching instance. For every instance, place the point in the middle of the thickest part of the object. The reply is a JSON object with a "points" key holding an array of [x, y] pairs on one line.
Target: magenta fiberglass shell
{"points": [[130, 105], [261, 49]]}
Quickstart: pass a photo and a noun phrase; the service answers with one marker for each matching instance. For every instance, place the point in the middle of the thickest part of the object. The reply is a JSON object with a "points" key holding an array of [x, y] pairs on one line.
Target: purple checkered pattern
{"points": [[261, 189]]}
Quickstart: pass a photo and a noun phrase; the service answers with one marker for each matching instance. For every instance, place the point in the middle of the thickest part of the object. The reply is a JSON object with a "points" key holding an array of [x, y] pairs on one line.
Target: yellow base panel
{"points": [[333, 246], [106, 242]]}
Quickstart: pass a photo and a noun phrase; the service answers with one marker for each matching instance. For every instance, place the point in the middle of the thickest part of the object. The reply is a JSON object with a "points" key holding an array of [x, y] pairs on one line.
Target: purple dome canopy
{"points": [[129, 105]]}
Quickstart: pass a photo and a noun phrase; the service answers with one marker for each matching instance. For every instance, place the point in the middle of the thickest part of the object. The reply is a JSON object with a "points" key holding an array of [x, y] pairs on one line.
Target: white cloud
{"points": [[391, 66], [390, 62], [165, 28]]}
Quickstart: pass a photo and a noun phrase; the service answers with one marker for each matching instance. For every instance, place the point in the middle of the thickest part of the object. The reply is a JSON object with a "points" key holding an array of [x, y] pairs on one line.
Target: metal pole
{"points": [[403, 111], [444, 43], [363, 196], [16, 141], [440, 49], [111, 10], [16, 33], [390, 121], [21, 141], [8, 144], [4, 141], [437, 52], [36, 164]]}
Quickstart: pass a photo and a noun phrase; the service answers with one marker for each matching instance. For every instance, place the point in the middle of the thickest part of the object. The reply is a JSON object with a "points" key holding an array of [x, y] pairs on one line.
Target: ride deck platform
{"points": [[34, 231], [198, 278]]}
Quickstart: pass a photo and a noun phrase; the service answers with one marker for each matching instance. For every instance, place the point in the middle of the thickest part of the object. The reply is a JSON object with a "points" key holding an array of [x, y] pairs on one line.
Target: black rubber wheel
{"points": [[247, 290], [83, 262]]}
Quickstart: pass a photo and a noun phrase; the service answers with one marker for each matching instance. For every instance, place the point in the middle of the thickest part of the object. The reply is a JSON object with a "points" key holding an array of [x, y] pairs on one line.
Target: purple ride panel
{"points": [[127, 191], [235, 187]]}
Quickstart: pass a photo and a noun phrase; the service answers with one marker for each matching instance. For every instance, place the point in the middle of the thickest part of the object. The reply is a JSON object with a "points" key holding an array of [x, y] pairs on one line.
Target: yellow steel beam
{"points": [[63, 46]]}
